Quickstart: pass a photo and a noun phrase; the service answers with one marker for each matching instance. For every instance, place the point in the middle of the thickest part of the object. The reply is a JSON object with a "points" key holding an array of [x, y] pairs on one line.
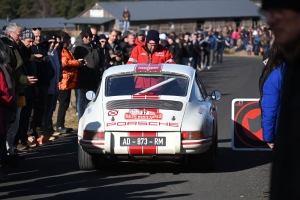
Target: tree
{"points": [[9, 8], [77, 6], [25, 9]]}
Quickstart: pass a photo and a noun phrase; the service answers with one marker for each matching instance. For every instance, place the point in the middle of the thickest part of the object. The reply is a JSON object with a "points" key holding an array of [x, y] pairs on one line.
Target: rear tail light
{"points": [[192, 135], [93, 135]]}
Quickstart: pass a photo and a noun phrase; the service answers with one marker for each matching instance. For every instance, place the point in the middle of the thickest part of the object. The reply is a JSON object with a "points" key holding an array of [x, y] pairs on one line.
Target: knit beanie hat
{"points": [[27, 34], [86, 31], [152, 37], [102, 36], [64, 37], [286, 4], [50, 36]]}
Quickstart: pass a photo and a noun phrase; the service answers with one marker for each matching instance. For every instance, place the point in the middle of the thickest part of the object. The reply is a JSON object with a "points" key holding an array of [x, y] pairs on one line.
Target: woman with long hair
{"points": [[270, 84]]}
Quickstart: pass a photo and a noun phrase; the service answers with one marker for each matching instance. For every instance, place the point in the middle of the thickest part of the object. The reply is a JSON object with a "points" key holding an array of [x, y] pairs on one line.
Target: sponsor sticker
{"points": [[144, 113], [113, 112], [148, 68], [201, 110]]}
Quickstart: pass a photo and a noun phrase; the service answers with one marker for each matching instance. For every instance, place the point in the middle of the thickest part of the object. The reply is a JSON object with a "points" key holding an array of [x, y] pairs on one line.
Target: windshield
{"points": [[147, 84]]}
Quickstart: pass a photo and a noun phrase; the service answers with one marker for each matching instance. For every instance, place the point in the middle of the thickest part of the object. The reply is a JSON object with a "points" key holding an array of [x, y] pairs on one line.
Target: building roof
{"points": [[44, 23], [89, 20], [192, 9]]}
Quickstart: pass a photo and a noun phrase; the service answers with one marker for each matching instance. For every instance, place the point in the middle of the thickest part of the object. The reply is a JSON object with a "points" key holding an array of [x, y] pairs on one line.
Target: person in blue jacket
{"points": [[271, 84]]}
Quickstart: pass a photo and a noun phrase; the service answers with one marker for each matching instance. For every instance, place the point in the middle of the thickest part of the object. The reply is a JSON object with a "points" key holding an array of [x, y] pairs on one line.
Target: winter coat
{"points": [[88, 76], [54, 59], [69, 71], [16, 63], [44, 70], [137, 42], [141, 54], [6, 97], [270, 103], [213, 42], [9, 113], [187, 49], [176, 52], [115, 50], [126, 51]]}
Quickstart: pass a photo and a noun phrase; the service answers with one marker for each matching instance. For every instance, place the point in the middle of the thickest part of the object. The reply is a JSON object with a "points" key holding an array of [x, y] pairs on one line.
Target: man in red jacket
{"points": [[151, 52]]}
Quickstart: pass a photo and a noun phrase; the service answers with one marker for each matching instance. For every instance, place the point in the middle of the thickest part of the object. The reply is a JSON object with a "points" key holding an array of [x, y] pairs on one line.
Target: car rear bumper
{"points": [[174, 146]]}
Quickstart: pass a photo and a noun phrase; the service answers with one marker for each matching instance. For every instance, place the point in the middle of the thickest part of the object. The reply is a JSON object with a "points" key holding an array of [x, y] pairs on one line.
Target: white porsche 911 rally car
{"points": [[149, 112]]}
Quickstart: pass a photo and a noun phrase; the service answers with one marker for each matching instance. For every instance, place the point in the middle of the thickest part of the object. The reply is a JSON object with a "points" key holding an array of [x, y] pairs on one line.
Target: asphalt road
{"points": [[51, 171]]}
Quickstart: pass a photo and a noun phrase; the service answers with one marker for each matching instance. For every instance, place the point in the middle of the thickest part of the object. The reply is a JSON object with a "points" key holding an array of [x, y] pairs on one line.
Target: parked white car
{"points": [[149, 112]]}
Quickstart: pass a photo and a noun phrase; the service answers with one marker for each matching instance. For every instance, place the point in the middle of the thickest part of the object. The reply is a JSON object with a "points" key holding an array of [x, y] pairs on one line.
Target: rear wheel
{"points": [[89, 162], [204, 161], [207, 159]]}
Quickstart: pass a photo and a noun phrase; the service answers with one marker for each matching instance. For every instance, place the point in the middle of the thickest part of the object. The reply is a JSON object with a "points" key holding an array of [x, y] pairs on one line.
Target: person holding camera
{"points": [[89, 76], [69, 81], [115, 50]]}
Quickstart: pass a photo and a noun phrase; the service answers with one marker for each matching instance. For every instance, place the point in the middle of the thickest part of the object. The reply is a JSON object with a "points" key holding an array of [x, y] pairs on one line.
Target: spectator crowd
{"points": [[37, 70]]}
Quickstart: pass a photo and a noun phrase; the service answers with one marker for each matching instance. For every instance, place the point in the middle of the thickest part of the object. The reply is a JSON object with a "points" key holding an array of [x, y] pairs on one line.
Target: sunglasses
{"points": [[38, 28], [102, 41], [90, 36]]}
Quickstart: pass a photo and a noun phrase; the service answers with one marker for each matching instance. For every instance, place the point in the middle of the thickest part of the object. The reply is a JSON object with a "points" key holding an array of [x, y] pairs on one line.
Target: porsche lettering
{"points": [[142, 123]]}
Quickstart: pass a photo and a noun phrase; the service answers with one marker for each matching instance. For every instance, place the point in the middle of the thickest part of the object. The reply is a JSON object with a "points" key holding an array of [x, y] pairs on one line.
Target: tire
{"points": [[89, 162], [207, 159], [204, 161]]}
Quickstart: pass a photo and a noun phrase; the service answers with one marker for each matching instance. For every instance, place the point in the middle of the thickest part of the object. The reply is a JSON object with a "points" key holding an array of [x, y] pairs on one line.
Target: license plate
{"points": [[143, 141]]}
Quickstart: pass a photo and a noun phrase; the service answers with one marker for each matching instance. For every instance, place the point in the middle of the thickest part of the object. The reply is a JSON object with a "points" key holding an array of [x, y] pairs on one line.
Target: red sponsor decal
{"points": [[142, 149], [142, 123], [144, 113], [113, 112], [148, 68]]}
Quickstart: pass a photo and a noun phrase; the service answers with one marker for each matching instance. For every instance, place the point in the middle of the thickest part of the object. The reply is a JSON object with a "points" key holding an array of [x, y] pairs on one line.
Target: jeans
{"points": [[64, 97], [204, 58], [195, 61], [50, 108], [12, 132], [211, 57], [26, 116], [220, 55], [126, 25], [187, 61], [38, 112], [81, 102]]}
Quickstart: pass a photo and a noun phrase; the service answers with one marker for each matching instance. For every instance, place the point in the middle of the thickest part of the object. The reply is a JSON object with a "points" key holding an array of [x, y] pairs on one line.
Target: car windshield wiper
{"points": [[156, 86]]}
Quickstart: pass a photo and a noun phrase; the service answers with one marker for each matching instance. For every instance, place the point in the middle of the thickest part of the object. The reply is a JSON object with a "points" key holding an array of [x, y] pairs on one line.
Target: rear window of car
{"points": [[148, 84]]}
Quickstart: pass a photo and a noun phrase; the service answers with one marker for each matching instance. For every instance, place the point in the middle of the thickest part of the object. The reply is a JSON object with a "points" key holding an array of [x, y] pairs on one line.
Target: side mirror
{"points": [[90, 95], [216, 95]]}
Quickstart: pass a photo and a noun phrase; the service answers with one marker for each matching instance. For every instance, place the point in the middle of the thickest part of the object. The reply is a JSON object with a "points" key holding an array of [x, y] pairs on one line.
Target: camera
{"points": [[45, 58]]}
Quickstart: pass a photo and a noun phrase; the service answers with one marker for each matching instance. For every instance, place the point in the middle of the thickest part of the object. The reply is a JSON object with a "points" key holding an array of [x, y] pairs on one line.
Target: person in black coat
{"points": [[196, 51], [175, 50]]}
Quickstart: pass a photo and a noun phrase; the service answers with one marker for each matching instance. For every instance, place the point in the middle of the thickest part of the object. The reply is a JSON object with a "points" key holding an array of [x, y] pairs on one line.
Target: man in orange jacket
{"points": [[151, 52], [68, 82]]}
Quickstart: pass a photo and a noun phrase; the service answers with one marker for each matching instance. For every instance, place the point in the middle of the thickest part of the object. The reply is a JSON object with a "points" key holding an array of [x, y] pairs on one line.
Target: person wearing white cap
{"points": [[163, 39]]}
